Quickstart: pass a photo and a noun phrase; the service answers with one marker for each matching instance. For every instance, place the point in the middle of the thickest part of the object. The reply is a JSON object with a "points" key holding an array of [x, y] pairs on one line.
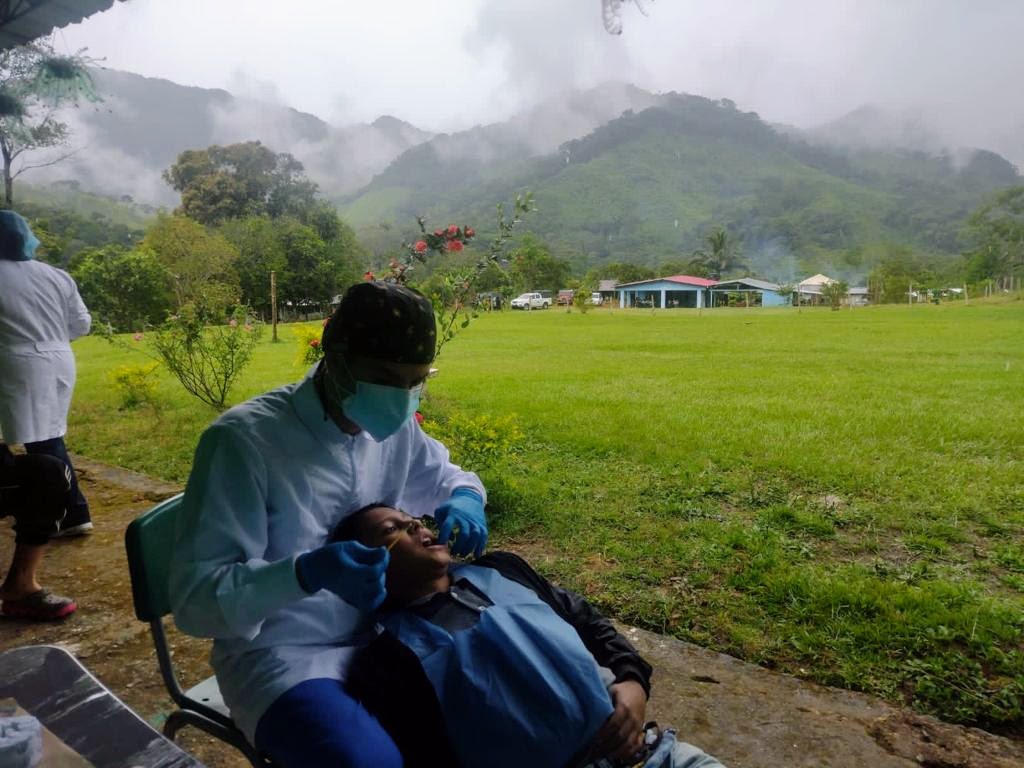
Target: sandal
{"points": [[39, 606]]}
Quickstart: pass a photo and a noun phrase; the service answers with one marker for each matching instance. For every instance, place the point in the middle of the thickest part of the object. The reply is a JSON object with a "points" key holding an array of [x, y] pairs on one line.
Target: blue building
{"points": [[748, 292], [665, 292]]}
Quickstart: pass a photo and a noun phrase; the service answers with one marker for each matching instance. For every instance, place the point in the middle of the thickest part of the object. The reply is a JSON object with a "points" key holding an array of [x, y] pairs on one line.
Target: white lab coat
{"points": [[40, 313], [271, 479]]}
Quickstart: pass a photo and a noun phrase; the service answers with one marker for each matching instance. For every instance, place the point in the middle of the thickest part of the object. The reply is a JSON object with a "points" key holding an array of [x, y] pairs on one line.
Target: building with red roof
{"points": [[665, 292]]}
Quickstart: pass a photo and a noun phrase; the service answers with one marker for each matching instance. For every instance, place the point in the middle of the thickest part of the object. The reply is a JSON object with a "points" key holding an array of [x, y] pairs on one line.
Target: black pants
{"points": [[77, 506], [34, 491]]}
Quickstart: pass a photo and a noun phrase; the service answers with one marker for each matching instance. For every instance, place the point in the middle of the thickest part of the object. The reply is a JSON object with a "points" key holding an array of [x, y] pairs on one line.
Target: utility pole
{"points": [[273, 304]]}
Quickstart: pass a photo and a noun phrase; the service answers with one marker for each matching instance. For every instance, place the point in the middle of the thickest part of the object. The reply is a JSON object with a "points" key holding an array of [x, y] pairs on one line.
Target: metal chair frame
{"points": [[201, 706]]}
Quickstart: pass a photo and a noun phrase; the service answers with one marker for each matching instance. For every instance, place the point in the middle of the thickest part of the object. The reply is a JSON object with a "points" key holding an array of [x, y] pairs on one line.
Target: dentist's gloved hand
{"points": [[465, 510], [348, 569]]}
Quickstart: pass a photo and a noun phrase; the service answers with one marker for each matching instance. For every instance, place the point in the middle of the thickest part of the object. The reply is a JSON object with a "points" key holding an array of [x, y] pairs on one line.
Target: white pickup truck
{"points": [[530, 301]]}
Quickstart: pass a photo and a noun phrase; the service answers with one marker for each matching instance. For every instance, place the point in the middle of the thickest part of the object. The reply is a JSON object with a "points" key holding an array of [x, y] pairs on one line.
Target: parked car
{"points": [[596, 299], [530, 301], [565, 297]]}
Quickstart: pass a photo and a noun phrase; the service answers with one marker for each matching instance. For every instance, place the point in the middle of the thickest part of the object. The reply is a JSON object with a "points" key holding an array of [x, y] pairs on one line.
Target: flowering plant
{"points": [[308, 337], [455, 298]]}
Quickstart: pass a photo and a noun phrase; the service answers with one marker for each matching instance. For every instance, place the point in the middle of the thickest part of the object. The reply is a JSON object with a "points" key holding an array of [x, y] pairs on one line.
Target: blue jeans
{"points": [[77, 506], [317, 724]]}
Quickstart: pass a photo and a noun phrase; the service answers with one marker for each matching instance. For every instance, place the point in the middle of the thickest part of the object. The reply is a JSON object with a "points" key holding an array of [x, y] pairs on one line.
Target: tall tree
{"points": [[34, 82], [126, 288], [310, 267], [201, 264], [238, 180], [997, 230], [722, 255], [534, 268]]}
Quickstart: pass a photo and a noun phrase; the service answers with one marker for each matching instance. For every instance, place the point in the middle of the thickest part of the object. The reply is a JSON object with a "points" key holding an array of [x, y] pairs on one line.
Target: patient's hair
{"points": [[351, 526]]}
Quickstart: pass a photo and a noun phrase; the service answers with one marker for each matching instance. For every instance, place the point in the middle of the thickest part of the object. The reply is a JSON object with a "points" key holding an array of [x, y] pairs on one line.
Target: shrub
{"points": [[206, 359], [475, 442], [308, 337], [135, 385]]}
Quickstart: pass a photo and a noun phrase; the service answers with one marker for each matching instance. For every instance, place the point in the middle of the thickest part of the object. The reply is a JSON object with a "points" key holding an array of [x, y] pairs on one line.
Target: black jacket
{"points": [[388, 679]]}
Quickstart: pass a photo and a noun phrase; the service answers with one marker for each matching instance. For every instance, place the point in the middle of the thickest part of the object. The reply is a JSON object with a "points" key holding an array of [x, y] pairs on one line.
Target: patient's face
{"points": [[415, 552]]}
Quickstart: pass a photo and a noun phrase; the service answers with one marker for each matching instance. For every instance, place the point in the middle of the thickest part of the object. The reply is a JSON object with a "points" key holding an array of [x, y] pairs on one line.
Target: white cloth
{"points": [[40, 313], [271, 479]]}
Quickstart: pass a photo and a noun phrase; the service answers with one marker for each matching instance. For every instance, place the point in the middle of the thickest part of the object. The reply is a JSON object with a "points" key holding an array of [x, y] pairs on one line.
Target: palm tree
{"points": [[722, 256]]}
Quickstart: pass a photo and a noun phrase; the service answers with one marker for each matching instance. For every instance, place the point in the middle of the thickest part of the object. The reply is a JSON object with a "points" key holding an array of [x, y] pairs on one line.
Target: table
{"points": [[53, 686]]}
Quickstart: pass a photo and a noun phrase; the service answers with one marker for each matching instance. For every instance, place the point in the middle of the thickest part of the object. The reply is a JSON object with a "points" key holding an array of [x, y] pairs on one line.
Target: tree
{"points": [[201, 265], [997, 231], [128, 289], [534, 268], [721, 257], [620, 272], [239, 180], [897, 269], [786, 291], [834, 293], [673, 267], [33, 83], [310, 268]]}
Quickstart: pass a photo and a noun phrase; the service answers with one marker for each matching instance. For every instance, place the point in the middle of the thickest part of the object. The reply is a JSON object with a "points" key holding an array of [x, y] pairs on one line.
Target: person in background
{"points": [[41, 312], [489, 665], [33, 490], [271, 479]]}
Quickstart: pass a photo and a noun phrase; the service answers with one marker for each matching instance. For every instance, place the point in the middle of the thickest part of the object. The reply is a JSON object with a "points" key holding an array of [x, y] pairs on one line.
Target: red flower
{"points": [[454, 245], [452, 230], [438, 232], [368, 276], [469, 231], [420, 246], [314, 343], [137, 337], [419, 417]]}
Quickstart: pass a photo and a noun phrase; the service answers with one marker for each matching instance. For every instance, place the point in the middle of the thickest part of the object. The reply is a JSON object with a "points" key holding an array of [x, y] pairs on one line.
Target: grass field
{"points": [[836, 494]]}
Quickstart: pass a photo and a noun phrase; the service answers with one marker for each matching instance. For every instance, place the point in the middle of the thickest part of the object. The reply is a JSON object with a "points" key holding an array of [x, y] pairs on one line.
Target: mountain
{"points": [[125, 141], [650, 184], [619, 173]]}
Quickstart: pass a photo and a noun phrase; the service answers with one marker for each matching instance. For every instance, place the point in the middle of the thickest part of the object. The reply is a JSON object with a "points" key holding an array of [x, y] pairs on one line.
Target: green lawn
{"points": [[836, 494]]}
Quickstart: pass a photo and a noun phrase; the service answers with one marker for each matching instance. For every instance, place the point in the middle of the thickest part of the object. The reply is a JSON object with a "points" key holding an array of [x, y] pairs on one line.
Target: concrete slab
{"points": [[749, 717]]}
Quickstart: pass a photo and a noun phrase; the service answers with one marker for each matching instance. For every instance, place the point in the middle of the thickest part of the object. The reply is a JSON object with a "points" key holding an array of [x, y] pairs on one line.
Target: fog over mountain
{"points": [[445, 67], [123, 143]]}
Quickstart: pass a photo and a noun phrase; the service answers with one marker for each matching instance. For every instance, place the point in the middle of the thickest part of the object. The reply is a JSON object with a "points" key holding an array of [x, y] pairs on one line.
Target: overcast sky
{"points": [[450, 64]]}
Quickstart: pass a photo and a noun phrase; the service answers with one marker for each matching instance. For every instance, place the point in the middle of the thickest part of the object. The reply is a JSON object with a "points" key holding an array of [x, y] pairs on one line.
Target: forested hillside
{"points": [[650, 185]]}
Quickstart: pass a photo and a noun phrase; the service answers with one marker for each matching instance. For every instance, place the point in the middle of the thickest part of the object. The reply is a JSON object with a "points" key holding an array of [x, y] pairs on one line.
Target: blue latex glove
{"points": [[348, 569], [464, 509]]}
